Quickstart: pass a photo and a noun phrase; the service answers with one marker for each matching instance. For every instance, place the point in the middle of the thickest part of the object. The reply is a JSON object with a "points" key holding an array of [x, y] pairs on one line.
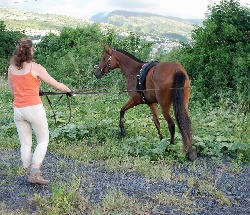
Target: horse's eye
{"points": [[103, 58]]}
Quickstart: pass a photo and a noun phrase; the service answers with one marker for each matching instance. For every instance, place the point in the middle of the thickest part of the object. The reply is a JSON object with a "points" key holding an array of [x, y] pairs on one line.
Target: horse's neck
{"points": [[128, 66]]}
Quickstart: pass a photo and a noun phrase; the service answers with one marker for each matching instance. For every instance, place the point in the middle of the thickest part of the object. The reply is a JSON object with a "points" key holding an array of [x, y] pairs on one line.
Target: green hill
{"points": [[146, 23], [36, 24]]}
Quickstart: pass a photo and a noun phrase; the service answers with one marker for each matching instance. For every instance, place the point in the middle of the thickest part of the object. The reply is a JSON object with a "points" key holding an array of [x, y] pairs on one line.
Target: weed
{"points": [[116, 202], [167, 198], [65, 200], [238, 163], [207, 188]]}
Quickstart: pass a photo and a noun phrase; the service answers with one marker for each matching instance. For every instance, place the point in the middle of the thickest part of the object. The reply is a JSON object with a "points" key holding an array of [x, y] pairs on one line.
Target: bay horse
{"points": [[166, 83]]}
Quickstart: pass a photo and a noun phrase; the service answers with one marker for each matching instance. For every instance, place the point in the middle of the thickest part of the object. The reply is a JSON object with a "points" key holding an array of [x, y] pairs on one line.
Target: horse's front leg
{"points": [[131, 103], [154, 111]]}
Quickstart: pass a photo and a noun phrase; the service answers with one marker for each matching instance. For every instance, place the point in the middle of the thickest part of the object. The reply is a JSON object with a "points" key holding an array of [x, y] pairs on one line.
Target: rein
{"points": [[50, 104], [46, 94]]}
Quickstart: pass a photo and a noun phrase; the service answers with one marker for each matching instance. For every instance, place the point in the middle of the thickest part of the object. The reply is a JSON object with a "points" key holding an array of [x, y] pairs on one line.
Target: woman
{"points": [[24, 77]]}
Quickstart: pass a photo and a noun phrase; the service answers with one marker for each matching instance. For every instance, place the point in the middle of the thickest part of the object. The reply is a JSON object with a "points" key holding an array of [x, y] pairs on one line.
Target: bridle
{"points": [[102, 70]]}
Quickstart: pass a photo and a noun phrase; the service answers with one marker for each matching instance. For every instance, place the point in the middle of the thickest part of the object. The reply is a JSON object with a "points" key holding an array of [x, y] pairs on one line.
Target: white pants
{"points": [[26, 119]]}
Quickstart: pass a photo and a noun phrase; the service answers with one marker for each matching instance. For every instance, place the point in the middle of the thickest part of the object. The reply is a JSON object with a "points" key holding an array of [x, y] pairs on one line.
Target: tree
{"points": [[71, 56], [8, 41], [218, 59]]}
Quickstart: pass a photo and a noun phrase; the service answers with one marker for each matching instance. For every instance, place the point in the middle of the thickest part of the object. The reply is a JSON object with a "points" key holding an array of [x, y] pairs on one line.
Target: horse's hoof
{"points": [[191, 155], [168, 150], [160, 137], [123, 133]]}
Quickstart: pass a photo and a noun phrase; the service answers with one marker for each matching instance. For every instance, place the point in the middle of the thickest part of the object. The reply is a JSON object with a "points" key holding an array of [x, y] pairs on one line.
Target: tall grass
{"points": [[93, 132]]}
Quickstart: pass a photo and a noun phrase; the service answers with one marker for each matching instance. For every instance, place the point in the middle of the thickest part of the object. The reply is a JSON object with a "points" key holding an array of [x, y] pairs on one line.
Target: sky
{"points": [[85, 9]]}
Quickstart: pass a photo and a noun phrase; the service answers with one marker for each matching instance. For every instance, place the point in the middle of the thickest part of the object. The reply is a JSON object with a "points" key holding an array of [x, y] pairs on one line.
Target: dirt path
{"points": [[206, 187]]}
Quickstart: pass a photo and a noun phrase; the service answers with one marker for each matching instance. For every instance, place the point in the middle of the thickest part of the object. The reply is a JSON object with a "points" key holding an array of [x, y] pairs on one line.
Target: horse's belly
{"points": [[150, 96]]}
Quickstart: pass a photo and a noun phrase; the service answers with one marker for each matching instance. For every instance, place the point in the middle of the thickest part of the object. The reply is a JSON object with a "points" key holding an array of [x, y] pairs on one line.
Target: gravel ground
{"points": [[228, 177]]}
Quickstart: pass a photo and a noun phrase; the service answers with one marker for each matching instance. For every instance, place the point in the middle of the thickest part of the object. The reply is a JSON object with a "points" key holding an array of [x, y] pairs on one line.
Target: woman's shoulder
{"points": [[12, 69], [9, 68], [38, 67]]}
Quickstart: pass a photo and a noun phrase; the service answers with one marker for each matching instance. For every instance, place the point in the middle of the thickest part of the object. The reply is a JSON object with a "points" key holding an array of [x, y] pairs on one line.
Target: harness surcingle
{"points": [[141, 78]]}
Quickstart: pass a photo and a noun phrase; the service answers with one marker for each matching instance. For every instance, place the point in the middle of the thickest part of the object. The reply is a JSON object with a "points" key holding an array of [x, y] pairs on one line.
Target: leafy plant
{"points": [[217, 59], [8, 41]]}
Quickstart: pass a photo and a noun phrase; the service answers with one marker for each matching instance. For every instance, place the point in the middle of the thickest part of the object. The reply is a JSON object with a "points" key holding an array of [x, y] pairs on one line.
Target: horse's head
{"points": [[104, 65]]}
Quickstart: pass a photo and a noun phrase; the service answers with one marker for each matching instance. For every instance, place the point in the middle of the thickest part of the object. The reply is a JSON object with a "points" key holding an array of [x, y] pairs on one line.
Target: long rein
{"points": [[46, 94], [90, 92]]}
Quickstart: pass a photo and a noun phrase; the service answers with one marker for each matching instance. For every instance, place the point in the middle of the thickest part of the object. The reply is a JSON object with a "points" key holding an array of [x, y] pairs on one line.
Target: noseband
{"points": [[102, 70]]}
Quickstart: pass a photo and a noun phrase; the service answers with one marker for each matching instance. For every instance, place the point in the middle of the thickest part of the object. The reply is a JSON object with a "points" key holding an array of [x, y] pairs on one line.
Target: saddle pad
{"points": [[141, 77]]}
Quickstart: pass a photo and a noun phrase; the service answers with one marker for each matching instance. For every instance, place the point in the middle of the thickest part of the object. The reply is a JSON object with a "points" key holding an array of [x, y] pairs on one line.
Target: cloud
{"points": [[84, 9], [181, 8]]}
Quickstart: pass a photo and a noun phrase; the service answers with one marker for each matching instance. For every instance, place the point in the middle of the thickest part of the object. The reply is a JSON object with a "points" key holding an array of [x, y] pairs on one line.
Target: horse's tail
{"points": [[181, 114]]}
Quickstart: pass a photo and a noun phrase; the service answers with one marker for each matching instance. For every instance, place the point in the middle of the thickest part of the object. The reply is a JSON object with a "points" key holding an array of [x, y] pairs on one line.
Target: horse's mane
{"points": [[130, 55]]}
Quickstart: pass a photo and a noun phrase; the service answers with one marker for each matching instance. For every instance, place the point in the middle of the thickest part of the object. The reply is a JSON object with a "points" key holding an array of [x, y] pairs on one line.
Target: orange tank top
{"points": [[25, 90]]}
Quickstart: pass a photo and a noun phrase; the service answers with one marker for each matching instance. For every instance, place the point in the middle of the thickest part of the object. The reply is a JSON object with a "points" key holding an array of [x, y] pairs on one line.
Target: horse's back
{"points": [[168, 68], [162, 79], [165, 71]]}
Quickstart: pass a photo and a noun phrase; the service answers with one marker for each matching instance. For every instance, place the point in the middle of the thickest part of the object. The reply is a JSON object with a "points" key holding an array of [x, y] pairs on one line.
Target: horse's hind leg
{"points": [[171, 125], [154, 111], [127, 106]]}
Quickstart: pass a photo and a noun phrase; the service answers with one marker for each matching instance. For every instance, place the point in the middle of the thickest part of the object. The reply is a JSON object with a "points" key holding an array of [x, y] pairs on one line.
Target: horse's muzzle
{"points": [[98, 72]]}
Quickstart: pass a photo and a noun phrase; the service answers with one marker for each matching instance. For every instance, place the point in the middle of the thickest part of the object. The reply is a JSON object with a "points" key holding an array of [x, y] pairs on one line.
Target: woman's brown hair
{"points": [[22, 53]]}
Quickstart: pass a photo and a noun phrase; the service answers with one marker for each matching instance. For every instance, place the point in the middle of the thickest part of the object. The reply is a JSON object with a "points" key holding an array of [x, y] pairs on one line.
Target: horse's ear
{"points": [[108, 49]]}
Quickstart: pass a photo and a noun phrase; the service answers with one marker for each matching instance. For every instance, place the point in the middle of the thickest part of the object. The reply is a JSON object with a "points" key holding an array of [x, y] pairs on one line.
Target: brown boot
{"points": [[28, 170], [35, 177]]}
